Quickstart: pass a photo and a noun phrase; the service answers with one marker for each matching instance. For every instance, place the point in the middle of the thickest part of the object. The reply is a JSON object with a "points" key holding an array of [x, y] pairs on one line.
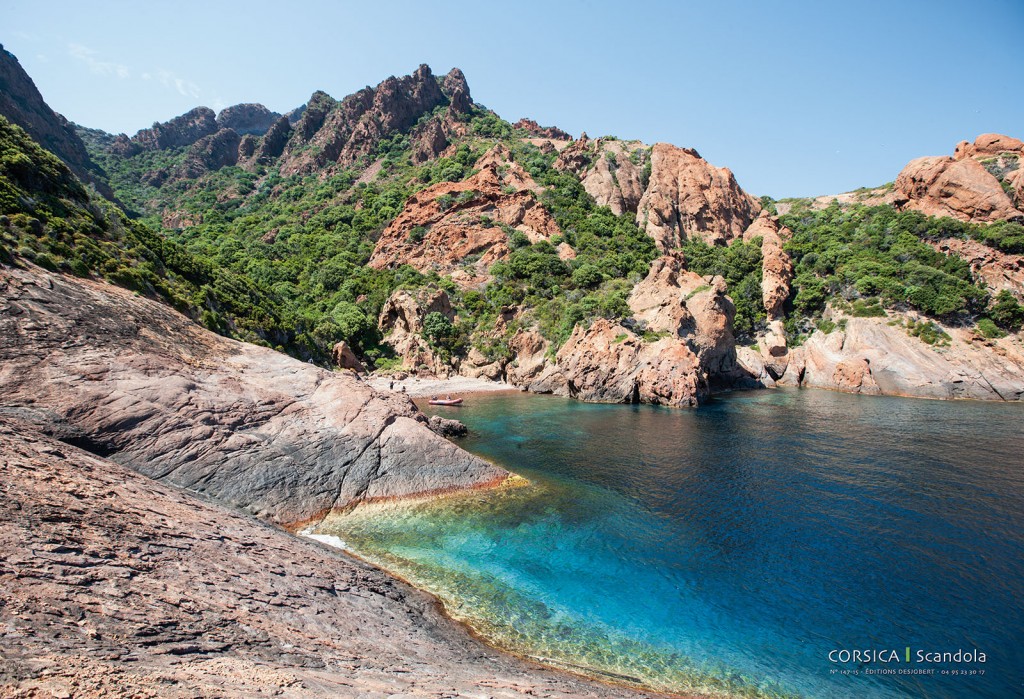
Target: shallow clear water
{"points": [[734, 546]]}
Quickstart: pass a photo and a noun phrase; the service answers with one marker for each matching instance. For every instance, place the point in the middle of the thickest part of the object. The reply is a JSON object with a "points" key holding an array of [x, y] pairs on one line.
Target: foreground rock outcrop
{"points": [[115, 585], [131, 379]]}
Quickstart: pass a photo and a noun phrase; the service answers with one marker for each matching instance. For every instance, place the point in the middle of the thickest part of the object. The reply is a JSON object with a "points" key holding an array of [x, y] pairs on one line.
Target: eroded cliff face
{"points": [[131, 379], [443, 225], [342, 132], [22, 104], [687, 196]]}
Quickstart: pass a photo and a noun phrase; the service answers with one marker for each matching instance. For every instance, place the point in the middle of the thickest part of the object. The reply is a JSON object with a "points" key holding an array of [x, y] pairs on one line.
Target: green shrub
{"points": [[1006, 312], [989, 329]]}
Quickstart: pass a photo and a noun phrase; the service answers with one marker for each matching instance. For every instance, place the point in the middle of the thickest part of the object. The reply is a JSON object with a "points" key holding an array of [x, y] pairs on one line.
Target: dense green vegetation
{"points": [[865, 259], [49, 218], [740, 265]]}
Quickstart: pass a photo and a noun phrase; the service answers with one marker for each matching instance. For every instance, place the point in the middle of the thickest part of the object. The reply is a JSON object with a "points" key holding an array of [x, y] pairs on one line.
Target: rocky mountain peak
{"points": [[248, 118], [456, 89]]}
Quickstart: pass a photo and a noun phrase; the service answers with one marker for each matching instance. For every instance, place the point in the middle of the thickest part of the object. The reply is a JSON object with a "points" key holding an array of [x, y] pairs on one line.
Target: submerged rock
{"points": [[447, 428]]}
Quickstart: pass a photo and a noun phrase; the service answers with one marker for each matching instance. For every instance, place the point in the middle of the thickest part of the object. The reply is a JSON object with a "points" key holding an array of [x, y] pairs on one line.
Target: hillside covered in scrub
{"points": [[406, 228]]}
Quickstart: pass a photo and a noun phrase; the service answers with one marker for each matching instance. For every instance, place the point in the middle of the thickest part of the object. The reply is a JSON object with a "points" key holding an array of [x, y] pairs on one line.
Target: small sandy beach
{"points": [[422, 387]]}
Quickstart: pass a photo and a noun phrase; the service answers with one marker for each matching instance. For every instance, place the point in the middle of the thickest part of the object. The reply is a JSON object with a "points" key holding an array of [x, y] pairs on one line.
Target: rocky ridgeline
{"points": [[321, 133], [131, 379]]}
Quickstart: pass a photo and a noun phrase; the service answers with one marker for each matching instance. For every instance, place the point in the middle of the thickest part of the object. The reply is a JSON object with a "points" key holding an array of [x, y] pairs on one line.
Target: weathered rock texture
{"points": [[687, 196], [777, 268], [247, 119], [873, 357], [988, 145], [536, 130], [209, 153], [287, 441], [608, 363], [115, 585], [612, 171], [22, 104], [444, 224], [693, 309], [962, 189]]}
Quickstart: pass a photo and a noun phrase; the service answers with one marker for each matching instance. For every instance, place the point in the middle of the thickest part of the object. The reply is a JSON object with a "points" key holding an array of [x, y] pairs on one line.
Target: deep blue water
{"points": [[736, 545]]}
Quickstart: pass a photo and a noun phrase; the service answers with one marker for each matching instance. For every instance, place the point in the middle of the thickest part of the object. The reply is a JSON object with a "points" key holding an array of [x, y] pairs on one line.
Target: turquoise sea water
{"points": [[733, 547]]}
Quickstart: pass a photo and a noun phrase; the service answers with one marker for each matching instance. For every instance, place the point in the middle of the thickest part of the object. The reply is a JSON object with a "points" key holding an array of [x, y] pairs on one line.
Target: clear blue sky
{"points": [[797, 97]]}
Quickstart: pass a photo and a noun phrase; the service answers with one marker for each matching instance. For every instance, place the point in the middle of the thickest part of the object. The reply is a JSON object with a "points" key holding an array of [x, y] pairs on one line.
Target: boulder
{"points": [[988, 145], [447, 428], [345, 358], [962, 189]]}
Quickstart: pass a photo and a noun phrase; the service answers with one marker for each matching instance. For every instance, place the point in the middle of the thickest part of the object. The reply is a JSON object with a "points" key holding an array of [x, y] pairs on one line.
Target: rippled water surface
{"points": [[735, 546]]}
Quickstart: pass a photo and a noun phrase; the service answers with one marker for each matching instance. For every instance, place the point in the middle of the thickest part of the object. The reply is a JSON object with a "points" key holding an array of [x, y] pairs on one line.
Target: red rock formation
{"points": [[345, 131], [273, 142], [576, 156], [444, 224], [963, 189], [987, 145], [872, 356], [686, 196], [536, 130], [208, 154], [607, 363], [401, 321], [776, 265], [345, 358], [1016, 182], [692, 308], [180, 131]]}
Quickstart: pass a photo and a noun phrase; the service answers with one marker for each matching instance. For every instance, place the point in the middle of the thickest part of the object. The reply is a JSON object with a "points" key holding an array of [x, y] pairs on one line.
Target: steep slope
{"points": [[22, 104]]}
